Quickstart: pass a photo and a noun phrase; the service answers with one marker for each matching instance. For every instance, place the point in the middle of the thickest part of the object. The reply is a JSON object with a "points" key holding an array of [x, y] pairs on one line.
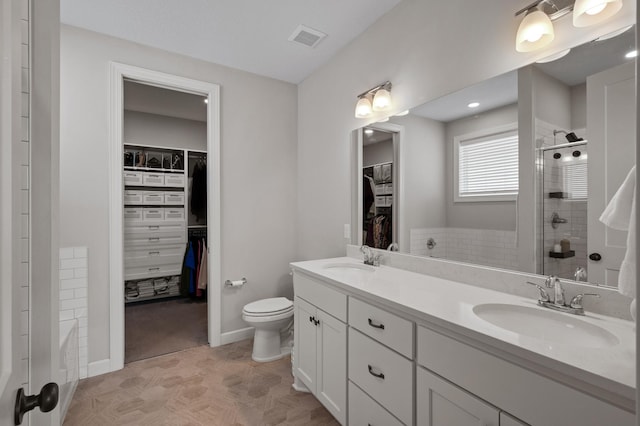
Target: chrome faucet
{"points": [[393, 247], [558, 303], [369, 257]]}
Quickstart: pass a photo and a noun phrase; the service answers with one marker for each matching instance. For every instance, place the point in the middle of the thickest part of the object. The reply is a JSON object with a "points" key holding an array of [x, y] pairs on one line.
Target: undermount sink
{"points": [[546, 325], [349, 267]]}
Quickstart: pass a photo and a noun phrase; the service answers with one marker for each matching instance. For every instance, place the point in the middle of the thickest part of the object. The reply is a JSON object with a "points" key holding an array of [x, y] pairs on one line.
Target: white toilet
{"points": [[269, 317]]}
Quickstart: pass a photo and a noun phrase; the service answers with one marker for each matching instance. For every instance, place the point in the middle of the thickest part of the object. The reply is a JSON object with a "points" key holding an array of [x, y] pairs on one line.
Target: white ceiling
{"points": [[250, 35]]}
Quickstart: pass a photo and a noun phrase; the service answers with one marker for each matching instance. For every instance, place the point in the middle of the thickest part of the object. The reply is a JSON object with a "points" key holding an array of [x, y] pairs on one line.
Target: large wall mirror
{"points": [[511, 173]]}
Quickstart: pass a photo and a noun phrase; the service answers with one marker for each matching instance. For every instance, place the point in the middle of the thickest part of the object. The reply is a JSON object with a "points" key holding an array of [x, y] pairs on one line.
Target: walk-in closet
{"points": [[165, 220]]}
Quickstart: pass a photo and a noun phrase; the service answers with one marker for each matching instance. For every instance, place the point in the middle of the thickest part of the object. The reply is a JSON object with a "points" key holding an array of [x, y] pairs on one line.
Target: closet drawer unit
{"points": [[132, 197], [160, 270], [388, 188], [153, 179], [381, 201], [172, 179], [383, 374], [154, 256], [174, 198], [152, 214], [364, 411], [154, 235], [133, 214], [153, 197], [174, 214], [385, 327], [132, 178]]}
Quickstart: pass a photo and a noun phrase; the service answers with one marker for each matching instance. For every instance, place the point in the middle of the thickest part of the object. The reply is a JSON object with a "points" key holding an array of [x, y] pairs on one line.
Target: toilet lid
{"points": [[272, 305]]}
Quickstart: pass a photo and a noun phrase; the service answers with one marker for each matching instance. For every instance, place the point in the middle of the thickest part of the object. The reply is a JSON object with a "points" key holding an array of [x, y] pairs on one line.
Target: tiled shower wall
{"points": [[575, 211], [74, 297], [478, 246]]}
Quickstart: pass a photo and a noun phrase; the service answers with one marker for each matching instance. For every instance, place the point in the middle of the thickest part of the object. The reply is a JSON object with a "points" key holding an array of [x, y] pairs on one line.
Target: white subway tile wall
{"points": [[74, 288], [486, 247], [24, 277]]}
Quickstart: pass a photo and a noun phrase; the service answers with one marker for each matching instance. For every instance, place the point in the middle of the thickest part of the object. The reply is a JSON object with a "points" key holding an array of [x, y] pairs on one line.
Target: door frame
{"points": [[118, 73]]}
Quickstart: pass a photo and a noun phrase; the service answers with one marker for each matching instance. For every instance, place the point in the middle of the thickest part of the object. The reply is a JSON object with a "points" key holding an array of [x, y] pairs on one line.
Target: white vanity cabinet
{"points": [[320, 359]]}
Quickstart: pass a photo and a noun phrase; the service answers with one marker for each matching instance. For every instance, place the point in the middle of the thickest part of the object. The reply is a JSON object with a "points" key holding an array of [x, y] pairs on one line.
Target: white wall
{"points": [[426, 49], [579, 106], [159, 130], [497, 215], [258, 158], [376, 153]]}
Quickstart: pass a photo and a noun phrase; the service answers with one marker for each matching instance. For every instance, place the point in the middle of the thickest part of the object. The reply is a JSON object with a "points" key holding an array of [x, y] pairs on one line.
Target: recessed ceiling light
{"points": [[368, 131], [206, 100], [403, 113], [631, 54], [474, 104]]}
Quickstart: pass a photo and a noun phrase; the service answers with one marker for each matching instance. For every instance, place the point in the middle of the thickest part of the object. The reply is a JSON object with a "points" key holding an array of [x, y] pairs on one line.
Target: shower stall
{"points": [[563, 210]]}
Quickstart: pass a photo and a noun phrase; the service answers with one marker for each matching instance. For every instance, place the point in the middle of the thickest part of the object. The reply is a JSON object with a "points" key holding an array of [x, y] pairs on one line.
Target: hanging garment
{"points": [[368, 199], [202, 276], [190, 263], [381, 231], [199, 190], [198, 267], [184, 276]]}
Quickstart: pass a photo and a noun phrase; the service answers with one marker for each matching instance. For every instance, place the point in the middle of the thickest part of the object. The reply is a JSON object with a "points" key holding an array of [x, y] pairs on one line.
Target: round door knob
{"points": [[595, 257]]}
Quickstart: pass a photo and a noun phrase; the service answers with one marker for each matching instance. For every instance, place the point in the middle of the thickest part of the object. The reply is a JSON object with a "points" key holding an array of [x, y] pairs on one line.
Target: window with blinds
{"points": [[575, 180], [487, 167]]}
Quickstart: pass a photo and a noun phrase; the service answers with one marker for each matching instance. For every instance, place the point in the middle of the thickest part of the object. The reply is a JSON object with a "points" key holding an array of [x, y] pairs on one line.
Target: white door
{"points": [[332, 365], [611, 125], [440, 403], [305, 337]]}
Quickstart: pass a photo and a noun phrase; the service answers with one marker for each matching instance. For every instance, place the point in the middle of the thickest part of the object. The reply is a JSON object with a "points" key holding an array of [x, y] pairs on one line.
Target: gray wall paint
{"points": [[258, 157], [579, 106], [500, 215], [159, 130], [376, 153], [552, 100], [420, 70]]}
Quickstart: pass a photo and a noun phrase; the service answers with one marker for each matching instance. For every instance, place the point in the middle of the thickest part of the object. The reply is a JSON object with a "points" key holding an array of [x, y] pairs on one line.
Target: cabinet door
{"points": [[507, 420], [305, 343], [332, 365], [443, 404]]}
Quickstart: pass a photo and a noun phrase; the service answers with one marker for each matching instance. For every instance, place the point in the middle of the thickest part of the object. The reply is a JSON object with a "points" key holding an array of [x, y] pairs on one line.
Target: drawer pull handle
{"points": [[374, 325], [374, 374], [154, 253], [154, 226], [154, 239], [154, 269]]}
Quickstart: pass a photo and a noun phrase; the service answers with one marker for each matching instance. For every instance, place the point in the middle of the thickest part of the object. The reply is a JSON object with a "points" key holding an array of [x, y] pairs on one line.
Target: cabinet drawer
{"points": [[174, 213], [154, 228], [154, 256], [153, 197], [153, 179], [132, 178], [174, 197], [385, 327], [500, 383], [152, 214], [140, 272], [133, 214], [132, 197], [383, 374], [176, 180], [364, 411], [319, 294]]}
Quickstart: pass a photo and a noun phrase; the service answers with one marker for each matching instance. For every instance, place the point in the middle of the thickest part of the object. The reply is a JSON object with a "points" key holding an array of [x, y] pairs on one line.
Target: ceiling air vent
{"points": [[307, 36]]}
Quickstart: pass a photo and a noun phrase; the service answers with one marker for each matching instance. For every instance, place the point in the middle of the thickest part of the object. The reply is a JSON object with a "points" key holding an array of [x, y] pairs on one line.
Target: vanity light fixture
{"points": [[375, 99], [536, 29]]}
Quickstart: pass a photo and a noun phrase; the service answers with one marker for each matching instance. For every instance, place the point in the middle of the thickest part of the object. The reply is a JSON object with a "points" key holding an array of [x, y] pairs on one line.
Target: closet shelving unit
{"points": [[155, 224], [382, 176]]}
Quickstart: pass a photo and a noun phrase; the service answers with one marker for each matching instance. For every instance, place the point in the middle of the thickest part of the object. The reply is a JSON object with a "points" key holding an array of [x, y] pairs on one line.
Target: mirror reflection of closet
{"points": [[165, 226]]}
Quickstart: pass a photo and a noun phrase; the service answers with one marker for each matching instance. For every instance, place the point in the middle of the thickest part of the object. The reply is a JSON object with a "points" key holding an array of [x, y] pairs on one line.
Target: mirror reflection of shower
{"points": [[564, 195]]}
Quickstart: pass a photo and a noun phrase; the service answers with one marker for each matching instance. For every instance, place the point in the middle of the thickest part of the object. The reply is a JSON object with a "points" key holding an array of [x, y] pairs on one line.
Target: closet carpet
{"points": [[198, 386], [159, 328]]}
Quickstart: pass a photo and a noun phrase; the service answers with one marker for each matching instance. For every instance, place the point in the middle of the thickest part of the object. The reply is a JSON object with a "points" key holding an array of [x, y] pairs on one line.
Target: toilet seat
{"points": [[274, 306]]}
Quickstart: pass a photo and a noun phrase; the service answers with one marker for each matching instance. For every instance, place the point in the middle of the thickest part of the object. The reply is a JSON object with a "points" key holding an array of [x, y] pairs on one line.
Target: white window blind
{"points": [[575, 180], [488, 167]]}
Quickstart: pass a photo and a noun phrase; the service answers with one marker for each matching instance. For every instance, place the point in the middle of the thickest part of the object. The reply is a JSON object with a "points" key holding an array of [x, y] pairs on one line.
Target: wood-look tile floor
{"points": [[198, 386]]}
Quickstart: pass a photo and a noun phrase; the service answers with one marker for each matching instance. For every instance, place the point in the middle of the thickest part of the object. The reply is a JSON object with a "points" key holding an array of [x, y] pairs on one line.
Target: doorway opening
{"points": [[164, 214]]}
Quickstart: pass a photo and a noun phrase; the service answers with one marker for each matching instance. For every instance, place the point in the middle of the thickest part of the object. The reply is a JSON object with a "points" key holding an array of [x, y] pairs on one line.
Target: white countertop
{"points": [[449, 304]]}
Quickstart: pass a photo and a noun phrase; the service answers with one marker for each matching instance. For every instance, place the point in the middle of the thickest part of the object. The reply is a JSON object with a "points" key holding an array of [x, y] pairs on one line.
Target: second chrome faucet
{"points": [[558, 303]]}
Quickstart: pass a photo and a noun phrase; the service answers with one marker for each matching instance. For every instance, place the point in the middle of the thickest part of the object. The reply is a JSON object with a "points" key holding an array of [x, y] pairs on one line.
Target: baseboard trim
{"points": [[98, 368], [236, 335]]}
